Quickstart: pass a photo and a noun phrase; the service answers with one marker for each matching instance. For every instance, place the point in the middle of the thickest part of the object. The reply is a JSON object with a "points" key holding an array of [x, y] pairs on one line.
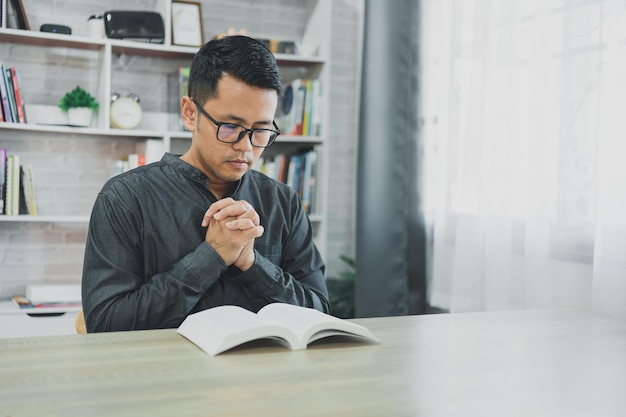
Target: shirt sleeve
{"points": [[297, 278], [117, 295]]}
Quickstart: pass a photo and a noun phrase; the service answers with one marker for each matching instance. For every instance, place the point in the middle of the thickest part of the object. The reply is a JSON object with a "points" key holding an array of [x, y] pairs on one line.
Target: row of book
{"points": [[17, 186], [131, 161], [12, 108], [299, 110], [297, 170]]}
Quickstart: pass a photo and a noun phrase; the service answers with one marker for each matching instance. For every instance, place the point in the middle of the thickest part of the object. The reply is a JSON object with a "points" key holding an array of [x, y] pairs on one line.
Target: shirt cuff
{"points": [[203, 263]]}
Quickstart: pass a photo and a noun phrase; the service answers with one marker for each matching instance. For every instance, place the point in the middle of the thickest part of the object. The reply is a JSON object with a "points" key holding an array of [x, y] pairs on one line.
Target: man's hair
{"points": [[241, 57]]}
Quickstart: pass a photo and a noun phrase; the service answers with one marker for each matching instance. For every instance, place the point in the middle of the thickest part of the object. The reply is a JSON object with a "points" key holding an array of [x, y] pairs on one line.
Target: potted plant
{"points": [[79, 105], [341, 290]]}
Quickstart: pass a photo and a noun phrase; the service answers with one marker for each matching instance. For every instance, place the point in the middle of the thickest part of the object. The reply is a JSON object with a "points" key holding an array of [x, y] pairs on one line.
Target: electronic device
{"points": [[54, 28], [134, 25]]}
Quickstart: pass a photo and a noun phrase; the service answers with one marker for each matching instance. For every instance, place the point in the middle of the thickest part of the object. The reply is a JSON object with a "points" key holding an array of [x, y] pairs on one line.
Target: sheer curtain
{"points": [[524, 111]]}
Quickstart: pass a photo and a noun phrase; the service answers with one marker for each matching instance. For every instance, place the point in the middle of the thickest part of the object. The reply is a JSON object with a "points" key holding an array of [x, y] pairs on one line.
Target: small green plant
{"points": [[341, 290], [78, 97]]}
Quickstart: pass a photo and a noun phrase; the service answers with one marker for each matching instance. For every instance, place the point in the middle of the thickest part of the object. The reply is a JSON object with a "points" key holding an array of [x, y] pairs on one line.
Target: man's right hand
{"points": [[232, 228]]}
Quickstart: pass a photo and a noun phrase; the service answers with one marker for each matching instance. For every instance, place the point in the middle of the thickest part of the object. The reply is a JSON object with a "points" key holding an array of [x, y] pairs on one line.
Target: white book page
{"points": [[309, 324], [221, 328]]}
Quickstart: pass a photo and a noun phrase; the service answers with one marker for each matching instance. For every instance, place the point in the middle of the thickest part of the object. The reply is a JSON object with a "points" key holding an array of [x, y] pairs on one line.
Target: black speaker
{"points": [[134, 25], [52, 28]]}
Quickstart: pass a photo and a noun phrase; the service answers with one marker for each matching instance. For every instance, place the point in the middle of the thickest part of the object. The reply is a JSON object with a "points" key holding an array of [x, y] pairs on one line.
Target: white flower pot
{"points": [[79, 116]]}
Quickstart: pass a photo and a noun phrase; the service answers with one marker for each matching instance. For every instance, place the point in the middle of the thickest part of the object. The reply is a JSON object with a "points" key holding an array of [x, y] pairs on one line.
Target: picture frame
{"points": [[187, 23]]}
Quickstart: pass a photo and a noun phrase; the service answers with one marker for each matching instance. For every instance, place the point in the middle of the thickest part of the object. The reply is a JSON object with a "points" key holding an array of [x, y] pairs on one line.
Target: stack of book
{"points": [[12, 108], [50, 297], [132, 161], [17, 186]]}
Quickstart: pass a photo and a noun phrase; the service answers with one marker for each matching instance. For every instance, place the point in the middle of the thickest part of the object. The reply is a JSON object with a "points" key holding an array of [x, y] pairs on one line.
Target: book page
{"points": [[309, 324], [221, 328]]}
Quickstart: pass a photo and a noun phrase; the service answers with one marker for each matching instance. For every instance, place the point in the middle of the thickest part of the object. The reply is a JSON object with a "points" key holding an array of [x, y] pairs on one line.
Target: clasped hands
{"points": [[232, 227]]}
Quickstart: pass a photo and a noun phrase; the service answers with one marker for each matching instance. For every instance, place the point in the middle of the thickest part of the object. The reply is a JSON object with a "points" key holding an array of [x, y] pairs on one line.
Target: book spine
{"points": [[308, 181], [23, 206], [299, 98], [308, 107], [29, 190], [15, 199], [19, 103], [10, 93], [3, 169], [5, 97], [8, 202], [316, 118]]}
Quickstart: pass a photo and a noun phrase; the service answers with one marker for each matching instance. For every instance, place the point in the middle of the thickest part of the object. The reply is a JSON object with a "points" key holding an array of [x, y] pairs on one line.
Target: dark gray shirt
{"points": [[148, 266]]}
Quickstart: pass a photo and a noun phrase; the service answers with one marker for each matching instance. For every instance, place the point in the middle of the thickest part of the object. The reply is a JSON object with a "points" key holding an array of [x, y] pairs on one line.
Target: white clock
{"points": [[125, 113]]}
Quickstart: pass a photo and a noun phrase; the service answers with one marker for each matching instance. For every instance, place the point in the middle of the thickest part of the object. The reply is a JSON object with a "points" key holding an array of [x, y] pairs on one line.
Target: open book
{"points": [[221, 328]]}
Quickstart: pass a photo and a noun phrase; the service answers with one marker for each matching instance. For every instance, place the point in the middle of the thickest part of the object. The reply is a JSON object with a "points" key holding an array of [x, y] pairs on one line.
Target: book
{"points": [[308, 184], [219, 329], [307, 108], [299, 99], [153, 151], [4, 94], [11, 93], [29, 189], [17, 93], [12, 199], [54, 293], [22, 205], [3, 170], [25, 303], [20, 15], [318, 102]]}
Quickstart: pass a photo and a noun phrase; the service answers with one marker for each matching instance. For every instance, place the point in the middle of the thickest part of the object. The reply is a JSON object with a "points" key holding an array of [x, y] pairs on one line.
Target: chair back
{"points": [[80, 323]]}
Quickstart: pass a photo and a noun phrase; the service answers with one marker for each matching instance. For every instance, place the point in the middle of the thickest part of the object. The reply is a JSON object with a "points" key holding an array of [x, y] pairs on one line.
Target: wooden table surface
{"points": [[527, 363]]}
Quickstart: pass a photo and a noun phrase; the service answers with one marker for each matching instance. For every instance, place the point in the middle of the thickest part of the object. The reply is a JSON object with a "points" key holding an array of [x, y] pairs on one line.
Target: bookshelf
{"points": [[105, 66]]}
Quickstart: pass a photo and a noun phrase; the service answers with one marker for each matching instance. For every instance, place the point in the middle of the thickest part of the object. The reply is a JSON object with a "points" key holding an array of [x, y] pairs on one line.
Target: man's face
{"points": [[237, 103]]}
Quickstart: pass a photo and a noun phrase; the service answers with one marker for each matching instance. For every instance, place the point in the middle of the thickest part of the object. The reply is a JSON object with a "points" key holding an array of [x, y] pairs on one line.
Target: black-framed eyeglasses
{"points": [[233, 133]]}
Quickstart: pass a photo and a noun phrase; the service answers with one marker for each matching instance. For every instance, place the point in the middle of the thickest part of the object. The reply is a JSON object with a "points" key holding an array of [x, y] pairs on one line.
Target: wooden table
{"points": [[530, 363]]}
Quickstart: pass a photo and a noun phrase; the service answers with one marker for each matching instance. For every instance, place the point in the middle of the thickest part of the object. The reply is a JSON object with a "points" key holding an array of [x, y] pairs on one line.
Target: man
{"points": [[193, 232]]}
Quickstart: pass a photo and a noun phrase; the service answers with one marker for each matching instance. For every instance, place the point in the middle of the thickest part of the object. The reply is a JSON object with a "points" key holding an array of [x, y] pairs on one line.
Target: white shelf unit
{"points": [[112, 65]]}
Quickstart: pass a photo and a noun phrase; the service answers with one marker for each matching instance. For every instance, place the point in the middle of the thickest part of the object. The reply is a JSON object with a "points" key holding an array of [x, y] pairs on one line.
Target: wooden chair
{"points": [[80, 323]]}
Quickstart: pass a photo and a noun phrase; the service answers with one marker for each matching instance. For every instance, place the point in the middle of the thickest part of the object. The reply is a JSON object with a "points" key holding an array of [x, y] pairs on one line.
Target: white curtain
{"points": [[524, 128]]}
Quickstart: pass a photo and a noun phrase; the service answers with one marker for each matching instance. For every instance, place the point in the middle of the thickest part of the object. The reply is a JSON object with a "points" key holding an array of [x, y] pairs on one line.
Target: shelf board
{"points": [[45, 219], [288, 59], [314, 140], [91, 131], [119, 46], [151, 49], [29, 37]]}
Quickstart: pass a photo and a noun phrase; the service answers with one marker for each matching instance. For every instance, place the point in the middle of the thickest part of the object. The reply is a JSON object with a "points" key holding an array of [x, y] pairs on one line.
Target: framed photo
{"points": [[187, 23]]}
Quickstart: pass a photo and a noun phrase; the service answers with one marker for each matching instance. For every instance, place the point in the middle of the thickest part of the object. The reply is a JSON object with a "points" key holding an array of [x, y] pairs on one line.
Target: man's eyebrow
{"points": [[241, 121]]}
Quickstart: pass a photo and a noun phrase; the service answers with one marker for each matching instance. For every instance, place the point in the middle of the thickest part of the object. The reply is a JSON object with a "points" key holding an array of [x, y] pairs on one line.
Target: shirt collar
{"points": [[192, 172]]}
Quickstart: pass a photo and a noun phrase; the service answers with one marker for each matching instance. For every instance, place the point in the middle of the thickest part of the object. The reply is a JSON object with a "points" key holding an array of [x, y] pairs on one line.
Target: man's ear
{"points": [[188, 113]]}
